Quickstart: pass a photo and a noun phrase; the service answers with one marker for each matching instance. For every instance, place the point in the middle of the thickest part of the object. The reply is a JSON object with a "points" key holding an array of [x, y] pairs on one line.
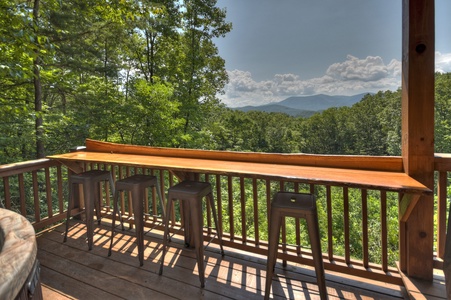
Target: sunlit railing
{"points": [[442, 165], [367, 248]]}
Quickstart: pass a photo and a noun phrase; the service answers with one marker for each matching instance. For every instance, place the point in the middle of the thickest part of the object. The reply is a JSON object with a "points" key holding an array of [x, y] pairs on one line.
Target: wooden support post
{"points": [[418, 49]]}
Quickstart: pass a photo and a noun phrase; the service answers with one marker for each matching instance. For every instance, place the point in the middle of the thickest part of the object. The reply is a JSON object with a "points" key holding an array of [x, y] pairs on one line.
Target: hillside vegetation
{"points": [[149, 74]]}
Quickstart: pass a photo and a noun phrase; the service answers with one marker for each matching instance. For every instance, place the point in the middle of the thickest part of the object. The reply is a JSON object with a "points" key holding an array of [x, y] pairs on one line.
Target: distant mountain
{"points": [[278, 108], [305, 106]]}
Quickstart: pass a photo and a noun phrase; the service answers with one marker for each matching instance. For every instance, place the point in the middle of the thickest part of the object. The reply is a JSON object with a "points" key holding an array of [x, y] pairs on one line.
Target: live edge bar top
{"points": [[380, 180]]}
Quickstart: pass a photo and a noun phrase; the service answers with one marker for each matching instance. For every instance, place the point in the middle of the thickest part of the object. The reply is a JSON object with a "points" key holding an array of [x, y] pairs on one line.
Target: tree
{"points": [[202, 73], [443, 113], [327, 132]]}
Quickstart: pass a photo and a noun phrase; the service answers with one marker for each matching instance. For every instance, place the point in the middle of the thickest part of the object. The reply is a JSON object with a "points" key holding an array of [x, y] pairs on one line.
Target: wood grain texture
{"points": [[69, 270], [384, 180], [18, 252], [382, 163], [418, 52]]}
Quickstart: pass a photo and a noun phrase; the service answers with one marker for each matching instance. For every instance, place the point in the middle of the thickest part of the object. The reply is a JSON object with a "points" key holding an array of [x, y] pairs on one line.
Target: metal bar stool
{"points": [[91, 181], [191, 193], [295, 205], [136, 185]]}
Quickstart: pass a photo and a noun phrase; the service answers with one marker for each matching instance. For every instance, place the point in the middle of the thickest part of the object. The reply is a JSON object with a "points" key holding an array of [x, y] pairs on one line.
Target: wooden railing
{"points": [[36, 190], [367, 248], [442, 164]]}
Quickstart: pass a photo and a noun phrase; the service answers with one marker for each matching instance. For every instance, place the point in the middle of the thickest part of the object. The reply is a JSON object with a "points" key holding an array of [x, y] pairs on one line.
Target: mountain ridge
{"points": [[305, 106]]}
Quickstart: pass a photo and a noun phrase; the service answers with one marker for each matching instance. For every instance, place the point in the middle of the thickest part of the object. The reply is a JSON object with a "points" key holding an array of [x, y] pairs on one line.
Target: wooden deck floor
{"points": [[70, 271]]}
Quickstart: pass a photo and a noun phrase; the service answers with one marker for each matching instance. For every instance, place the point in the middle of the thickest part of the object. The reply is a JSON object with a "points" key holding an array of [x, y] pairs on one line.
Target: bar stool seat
{"points": [[297, 205], [136, 185], [91, 181], [191, 193]]}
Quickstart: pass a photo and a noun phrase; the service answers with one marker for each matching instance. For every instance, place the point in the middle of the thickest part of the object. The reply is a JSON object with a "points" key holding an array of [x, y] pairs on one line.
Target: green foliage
{"points": [[443, 113], [139, 72]]}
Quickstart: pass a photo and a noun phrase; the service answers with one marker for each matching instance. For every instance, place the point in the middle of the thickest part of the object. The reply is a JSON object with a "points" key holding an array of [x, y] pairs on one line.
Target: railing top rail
{"points": [[26, 166], [442, 161]]}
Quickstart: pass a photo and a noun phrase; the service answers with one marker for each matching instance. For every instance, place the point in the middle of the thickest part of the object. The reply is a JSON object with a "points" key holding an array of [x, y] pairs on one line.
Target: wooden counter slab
{"points": [[381, 180]]}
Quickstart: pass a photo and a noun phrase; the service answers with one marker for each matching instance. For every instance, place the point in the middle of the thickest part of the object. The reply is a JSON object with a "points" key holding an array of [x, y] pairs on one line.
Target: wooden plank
{"points": [[406, 206], [7, 193], [418, 129], [238, 275], [57, 285], [178, 280], [420, 289], [382, 163], [442, 162], [392, 181], [37, 207], [25, 167], [384, 231], [48, 193], [23, 203], [130, 283], [442, 187]]}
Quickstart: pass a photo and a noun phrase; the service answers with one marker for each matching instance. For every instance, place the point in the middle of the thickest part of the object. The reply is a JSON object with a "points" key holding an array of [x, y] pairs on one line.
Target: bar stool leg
{"points": [[166, 232], [88, 187], [69, 208], [273, 243], [163, 208], [187, 226], [313, 229], [215, 218], [197, 230], [137, 202], [113, 223]]}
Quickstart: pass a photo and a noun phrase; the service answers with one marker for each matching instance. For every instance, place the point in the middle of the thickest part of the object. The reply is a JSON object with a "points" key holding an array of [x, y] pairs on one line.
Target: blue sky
{"points": [[283, 48]]}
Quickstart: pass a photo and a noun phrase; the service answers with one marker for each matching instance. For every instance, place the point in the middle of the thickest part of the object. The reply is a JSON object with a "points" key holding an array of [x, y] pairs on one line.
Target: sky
{"points": [[283, 48]]}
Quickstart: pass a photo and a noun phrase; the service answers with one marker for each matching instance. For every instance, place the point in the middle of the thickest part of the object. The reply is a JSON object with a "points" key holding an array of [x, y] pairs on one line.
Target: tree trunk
{"points": [[39, 132]]}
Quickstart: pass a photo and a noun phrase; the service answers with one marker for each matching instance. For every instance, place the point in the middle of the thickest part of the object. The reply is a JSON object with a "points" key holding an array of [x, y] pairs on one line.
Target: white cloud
{"points": [[349, 77], [442, 62]]}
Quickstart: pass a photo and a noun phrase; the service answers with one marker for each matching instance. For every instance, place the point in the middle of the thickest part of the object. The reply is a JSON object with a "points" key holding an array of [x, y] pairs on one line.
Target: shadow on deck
{"points": [[70, 271]]}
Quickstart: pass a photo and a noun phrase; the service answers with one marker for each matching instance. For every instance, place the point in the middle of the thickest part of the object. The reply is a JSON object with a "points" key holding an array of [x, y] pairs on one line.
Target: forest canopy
{"points": [[148, 73]]}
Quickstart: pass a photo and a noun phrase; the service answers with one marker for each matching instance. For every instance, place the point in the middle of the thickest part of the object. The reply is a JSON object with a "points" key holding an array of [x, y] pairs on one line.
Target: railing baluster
{"points": [[384, 233], [208, 209], [442, 209], [173, 217], [59, 179], [346, 225], [230, 198], [297, 225], [7, 192], [147, 212], [107, 191], [23, 209], [219, 203], [330, 245], [48, 192], [121, 195], [129, 199], [37, 208], [256, 209], [243, 210], [365, 228], [268, 202]]}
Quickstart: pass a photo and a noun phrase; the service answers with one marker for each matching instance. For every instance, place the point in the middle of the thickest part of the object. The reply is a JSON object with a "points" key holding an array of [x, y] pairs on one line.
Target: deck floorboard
{"points": [[70, 271]]}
